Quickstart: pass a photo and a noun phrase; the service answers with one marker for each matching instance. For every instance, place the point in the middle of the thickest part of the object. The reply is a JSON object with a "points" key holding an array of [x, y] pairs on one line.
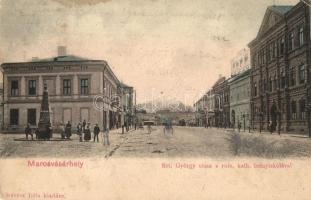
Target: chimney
{"points": [[61, 51]]}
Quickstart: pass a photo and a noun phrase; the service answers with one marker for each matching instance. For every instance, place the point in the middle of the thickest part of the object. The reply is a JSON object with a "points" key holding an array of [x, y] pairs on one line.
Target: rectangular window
{"points": [[301, 36], [255, 89], [294, 110], [270, 84], [32, 87], [14, 88], [84, 86], [32, 116], [302, 108], [302, 74], [282, 79], [292, 77], [275, 50], [275, 82], [66, 87], [14, 116]]}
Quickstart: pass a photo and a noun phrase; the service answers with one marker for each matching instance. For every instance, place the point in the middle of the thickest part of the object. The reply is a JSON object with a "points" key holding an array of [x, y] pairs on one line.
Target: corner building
{"points": [[72, 82]]}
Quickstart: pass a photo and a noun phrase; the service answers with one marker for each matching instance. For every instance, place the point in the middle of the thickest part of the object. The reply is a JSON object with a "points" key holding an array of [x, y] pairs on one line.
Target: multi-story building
{"points": [[210, 108], [79, 89], [221, 92], [241, 62], [280, 73], [199, 108], [239, 100], [127, 103]]}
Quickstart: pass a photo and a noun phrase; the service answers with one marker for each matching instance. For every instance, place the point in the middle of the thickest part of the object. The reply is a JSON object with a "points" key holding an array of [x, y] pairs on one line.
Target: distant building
{"points": [[199, 107], [240, 100], [241, 62], [73, 84], [221, 93], [127, 103], [210, 108]]}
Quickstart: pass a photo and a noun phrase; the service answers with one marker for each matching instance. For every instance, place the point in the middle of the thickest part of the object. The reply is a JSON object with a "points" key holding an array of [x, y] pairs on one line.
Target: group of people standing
{"points": [[84, 132]]}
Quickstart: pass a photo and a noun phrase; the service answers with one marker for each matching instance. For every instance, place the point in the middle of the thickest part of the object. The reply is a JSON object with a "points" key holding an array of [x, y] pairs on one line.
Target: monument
{"points": [[44, 125]]}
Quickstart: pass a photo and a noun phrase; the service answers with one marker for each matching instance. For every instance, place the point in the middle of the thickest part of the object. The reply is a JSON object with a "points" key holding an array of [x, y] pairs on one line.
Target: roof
{"points": [[281, 9], [63, 59], [240, 76], [124, 85]]}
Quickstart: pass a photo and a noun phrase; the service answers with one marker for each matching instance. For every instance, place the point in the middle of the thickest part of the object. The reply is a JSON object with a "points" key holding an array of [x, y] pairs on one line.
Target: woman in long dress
{"points": [[87, 134]]}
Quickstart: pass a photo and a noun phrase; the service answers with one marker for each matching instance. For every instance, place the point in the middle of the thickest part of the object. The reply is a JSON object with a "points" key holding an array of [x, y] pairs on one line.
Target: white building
{"points": [[73, 83], [241, 62]]}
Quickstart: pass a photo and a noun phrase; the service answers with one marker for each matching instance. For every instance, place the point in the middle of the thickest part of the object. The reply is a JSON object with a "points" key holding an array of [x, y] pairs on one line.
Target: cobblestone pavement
{"points": [[185, 142]]}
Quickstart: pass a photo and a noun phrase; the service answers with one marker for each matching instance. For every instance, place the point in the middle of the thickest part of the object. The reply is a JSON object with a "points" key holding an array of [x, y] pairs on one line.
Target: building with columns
{"points": [[79, 89]]}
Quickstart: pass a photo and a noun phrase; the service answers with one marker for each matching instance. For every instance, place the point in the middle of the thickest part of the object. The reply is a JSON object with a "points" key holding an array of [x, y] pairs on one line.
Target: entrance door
{"points": [[273, 113]]}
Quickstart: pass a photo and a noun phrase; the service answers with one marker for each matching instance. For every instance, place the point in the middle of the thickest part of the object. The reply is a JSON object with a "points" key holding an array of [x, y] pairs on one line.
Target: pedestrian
{"points": [[239, 126], [68, 130], [83, 126], [48, 129], [96, 132], [28, 132], [106, 137], [270, 126], [79, 131], [37, 132], [87, 133], [62, 130]]}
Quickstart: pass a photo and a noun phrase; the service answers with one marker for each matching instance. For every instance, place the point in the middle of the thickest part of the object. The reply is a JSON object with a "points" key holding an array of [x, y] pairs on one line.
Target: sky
{"points": [[165, 49]]}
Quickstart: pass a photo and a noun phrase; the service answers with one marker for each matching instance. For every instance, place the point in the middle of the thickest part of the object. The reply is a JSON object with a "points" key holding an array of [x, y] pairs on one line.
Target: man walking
{"points": [[79, 131], [28, 132], [96, 132]]}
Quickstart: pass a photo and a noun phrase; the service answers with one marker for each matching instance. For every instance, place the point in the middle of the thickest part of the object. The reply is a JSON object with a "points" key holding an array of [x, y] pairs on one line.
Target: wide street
{"points": [[185, 142]]}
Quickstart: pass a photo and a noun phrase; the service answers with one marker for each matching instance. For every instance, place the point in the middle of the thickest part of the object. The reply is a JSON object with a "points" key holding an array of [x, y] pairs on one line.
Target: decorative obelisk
{"points": [[44, 125]]}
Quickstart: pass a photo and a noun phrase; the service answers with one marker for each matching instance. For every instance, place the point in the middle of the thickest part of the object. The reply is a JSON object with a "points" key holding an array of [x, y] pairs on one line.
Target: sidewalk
{"points": [[285, 135]]}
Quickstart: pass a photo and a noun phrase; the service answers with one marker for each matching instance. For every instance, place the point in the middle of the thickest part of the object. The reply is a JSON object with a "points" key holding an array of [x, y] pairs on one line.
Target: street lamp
{"points": [[243, 121]]}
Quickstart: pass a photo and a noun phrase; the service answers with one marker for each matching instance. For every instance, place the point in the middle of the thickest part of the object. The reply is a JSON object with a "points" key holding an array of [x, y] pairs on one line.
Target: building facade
{"points": [[210, 108], [199, 107], [127, 103], [79, 89], [221, 93], [240, 100], [280, 73], [241, 62]]}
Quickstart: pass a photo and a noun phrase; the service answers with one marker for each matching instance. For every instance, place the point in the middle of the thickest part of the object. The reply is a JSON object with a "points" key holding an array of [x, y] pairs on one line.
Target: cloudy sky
{"points": [[171, 49]]}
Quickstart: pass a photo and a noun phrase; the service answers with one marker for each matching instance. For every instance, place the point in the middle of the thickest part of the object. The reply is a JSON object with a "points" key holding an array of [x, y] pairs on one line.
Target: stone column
{"points": [[75, 86], [23, 87], [58, 89], [40, 85]]}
